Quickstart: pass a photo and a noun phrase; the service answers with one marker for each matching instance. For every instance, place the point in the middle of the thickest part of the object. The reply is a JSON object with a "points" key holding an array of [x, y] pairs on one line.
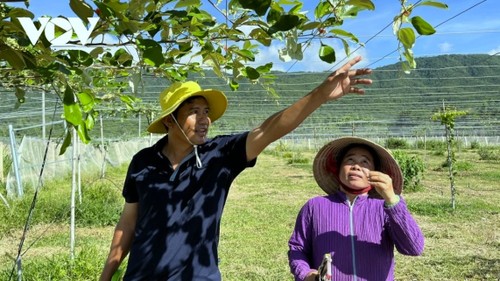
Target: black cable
{"points": [[445, 21], [33, 203]]}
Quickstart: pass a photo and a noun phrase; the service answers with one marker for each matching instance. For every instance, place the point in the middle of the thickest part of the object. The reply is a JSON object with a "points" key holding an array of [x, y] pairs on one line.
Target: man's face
{"points": [[193, 119]]}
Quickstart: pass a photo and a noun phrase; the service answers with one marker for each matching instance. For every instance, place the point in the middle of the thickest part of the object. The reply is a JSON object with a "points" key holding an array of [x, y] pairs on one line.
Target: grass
{"points": [[461, 244]]}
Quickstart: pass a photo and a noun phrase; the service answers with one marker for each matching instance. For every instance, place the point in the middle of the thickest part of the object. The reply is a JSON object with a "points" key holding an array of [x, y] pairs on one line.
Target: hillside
{"points": [[397, 104]]}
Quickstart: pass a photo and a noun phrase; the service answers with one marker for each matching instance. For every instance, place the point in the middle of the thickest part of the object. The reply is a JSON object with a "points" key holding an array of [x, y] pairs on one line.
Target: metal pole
{"points": [[140, 129], [43, 116], [79, 159], [73, 191], [103, 167], [15, 160]]}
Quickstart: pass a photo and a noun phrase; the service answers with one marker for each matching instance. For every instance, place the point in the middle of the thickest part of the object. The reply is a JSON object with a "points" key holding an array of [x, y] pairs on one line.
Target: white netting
{"points": [[93, 160]]}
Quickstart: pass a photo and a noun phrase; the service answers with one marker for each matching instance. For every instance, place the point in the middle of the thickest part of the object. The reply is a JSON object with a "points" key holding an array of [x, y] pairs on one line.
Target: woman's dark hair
{"points": [[343, 152]]}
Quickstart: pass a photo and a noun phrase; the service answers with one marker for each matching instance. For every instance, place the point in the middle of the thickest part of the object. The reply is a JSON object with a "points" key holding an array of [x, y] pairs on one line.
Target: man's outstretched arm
{"points": [[339, 83]]}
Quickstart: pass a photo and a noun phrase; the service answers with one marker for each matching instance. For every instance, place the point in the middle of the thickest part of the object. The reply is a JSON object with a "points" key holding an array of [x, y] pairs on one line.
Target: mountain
{"points": [[396, 104]]}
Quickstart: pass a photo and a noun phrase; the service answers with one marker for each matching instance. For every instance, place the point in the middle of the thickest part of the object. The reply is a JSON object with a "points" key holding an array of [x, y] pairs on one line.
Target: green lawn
{"points": [[463, 244]]}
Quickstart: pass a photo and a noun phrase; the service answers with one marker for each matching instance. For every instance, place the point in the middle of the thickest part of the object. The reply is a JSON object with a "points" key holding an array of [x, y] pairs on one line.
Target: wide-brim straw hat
{"points": [[173, 96], [326, 159]]}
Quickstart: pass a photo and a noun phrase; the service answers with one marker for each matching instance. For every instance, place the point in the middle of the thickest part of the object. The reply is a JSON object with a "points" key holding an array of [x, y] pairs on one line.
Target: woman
{"points": [[360, 221]]}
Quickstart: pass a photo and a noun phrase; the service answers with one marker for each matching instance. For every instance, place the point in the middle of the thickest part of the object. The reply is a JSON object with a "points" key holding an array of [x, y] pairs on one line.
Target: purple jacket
{"points": [[360, 237]]}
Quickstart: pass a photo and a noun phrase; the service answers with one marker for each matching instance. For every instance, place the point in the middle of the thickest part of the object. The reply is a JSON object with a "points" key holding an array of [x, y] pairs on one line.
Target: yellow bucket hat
{"points": [[173, 96]]}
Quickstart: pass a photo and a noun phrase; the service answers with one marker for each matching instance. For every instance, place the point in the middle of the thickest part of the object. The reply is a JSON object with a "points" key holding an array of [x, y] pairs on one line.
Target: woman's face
{"points": [[355, 168]]}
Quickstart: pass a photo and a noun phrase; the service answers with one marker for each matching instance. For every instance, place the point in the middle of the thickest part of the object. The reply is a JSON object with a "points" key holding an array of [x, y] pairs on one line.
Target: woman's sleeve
{"points": [[300, 245], [404, 230]]}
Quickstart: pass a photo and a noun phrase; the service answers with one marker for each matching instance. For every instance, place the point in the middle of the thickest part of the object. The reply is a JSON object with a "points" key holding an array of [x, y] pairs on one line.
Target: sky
{"points": [[466, 27]]}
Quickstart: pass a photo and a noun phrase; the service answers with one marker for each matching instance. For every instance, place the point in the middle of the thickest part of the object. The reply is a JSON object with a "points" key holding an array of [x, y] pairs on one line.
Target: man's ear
{"points": [[168, 121]]}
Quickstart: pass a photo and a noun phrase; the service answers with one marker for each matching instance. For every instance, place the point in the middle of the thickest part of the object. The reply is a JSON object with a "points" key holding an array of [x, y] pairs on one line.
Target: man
{"points": [[175, 191]]}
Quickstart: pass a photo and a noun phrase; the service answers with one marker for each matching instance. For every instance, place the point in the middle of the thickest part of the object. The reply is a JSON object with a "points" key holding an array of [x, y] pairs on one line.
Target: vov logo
{"points": [[47, 26]]}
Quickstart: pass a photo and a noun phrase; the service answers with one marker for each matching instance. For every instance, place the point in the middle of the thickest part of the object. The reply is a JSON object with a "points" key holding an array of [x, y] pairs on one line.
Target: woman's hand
{"points": [[383, 184], [312, 276]]}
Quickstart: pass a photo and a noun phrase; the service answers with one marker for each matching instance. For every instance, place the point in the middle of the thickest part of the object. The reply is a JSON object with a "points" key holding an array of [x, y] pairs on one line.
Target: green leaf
{"points": [[327, 53], [273, 93], [200, 33], [406, 67], [246, 54], [341, 32], [311, 25], [265, 68], [234, 85], [82, 57], [19, 13], [151, 52], [66, 142], [185, 46], [68, 97], [123, 58], [422, 27], [72, 111], [247, 45], [128, 100], [90, 122], [297, 9], [433, 4], [406, 36], [396, 24], [362, 4], [252, 73], [96, 52], [155, 21], [261, 36], [201, 18], [20, 95], [410, 58], [274, 14], [83, 133], [284, 23], [187, 3], [14, 58], [104, 10], [87, 101], [81, 9], [347, 49], [259, 6], [119, 8], [322, 9], [128, 27]]}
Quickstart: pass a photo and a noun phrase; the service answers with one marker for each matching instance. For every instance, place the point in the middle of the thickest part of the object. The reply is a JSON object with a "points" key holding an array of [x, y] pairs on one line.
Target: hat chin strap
{"points": [[355, 191], [198, 160]]}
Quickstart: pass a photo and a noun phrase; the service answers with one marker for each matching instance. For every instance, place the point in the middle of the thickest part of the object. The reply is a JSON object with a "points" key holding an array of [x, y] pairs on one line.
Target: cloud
{"points": [[311, 61], [495, 51], [445, 47]]}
